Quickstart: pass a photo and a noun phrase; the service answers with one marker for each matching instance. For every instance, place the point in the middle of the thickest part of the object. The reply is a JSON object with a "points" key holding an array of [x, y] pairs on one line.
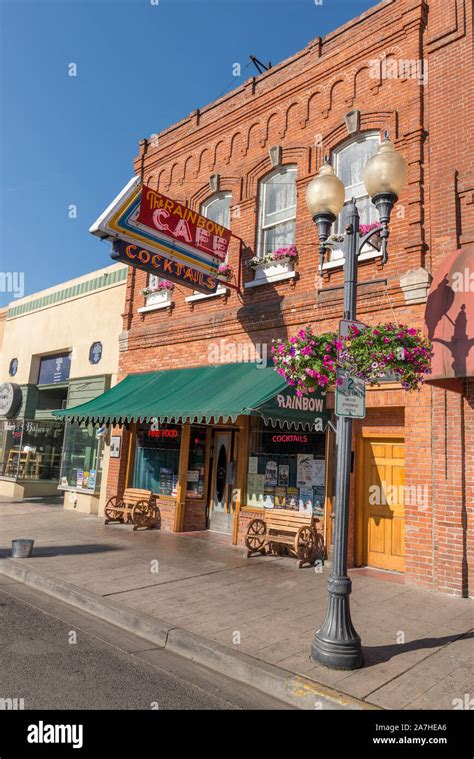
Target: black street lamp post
{"points": [[336, 644]]}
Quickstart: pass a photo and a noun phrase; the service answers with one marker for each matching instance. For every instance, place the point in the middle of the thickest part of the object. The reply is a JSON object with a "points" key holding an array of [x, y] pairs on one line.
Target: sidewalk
{"points": [[417, 644]]}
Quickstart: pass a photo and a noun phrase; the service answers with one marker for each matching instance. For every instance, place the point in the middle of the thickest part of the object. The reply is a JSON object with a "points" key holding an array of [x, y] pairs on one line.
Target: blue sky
{"points": [[140, 67]]}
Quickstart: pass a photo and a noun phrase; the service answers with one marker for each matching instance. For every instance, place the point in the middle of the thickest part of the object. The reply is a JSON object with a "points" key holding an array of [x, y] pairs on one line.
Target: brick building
{"points": [[245, 160]]}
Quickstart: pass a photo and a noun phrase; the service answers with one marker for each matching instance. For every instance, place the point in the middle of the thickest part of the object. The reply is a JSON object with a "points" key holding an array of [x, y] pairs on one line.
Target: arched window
{"points": [[349, 163], [276, 210], [217, 208]]}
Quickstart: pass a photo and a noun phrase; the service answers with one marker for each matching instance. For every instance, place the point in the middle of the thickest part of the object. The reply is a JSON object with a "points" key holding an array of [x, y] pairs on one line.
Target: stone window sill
{"points": [[205, 296], [155, 306], [271, 279], [338, 263]]}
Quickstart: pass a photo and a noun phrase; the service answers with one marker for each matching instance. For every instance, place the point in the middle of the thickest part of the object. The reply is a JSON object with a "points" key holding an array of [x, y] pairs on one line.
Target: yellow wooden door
{"points": [[383, 503]]}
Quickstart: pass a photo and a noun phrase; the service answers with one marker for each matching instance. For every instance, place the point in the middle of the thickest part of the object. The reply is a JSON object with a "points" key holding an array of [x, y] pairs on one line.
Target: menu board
{"points": [[166, 481]]}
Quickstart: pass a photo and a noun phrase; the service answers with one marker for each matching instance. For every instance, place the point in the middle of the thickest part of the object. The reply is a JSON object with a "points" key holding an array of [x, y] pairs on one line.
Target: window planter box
{"points": [[164, 296], [266, 272]]}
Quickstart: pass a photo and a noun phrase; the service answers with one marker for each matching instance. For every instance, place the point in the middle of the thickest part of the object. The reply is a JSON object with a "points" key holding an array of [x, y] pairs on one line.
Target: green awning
{"points": [[203, 394]]}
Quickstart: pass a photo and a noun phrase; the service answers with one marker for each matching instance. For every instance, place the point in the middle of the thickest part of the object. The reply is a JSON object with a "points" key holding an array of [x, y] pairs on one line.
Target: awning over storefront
{"points": [[203, 395], [449, 318]]}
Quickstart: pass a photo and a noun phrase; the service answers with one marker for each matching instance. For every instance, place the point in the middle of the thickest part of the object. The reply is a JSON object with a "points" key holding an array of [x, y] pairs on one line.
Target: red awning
{"points": [[449, 319]]}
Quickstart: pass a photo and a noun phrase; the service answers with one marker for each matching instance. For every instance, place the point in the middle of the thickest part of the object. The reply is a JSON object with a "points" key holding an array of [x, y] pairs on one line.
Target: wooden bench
{"points": [[135, 506], [282, 527]]}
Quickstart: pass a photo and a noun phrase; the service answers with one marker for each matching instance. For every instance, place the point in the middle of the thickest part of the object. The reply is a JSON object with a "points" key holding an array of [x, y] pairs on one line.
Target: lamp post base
{"points": [[336, 644]]}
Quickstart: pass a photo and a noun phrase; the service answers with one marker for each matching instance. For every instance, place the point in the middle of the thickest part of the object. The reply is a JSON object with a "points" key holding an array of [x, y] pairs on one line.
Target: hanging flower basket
{"points": [[308, 361]]}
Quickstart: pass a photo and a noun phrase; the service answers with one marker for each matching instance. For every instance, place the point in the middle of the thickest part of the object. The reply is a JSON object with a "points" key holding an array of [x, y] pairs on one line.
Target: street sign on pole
{"points": [[350, 396], [345, 325]]}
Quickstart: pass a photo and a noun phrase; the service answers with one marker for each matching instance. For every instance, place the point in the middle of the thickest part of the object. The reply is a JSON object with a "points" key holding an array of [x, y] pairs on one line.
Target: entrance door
{"points": [[220, 512], [383, 509]]}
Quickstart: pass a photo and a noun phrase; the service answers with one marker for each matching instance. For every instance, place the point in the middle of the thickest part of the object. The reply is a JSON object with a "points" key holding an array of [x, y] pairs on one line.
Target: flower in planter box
{"points": [[364, 229], [162, 286], [225, 270], [288, 253]]}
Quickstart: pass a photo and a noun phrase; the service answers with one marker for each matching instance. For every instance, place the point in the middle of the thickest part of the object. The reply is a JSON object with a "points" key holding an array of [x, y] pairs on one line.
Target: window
{"points": [[349, 164], [277, 210], [157, 458], [286, 469], [196, 477], [217, 208], [30, 449], [157, 295], [81, 465]]}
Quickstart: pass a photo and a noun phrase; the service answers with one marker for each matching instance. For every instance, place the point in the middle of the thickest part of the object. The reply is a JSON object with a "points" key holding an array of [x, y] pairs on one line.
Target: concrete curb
{"points": [[293, 689]]}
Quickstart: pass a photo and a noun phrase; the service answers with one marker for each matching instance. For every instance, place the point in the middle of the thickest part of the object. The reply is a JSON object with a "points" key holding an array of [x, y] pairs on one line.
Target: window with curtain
{"points": [[277, 210], [217, 208], [349, 164], [160, 295]]}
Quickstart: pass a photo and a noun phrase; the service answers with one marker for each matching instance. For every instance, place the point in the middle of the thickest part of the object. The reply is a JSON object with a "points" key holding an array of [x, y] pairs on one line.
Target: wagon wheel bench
{"points": [[135, 506], [282, 527]]}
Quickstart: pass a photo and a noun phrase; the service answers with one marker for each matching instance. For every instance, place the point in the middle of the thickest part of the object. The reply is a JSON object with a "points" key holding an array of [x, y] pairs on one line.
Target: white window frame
{"points": [[337, 254], [157, 300], [262, 190], [204, 209]]}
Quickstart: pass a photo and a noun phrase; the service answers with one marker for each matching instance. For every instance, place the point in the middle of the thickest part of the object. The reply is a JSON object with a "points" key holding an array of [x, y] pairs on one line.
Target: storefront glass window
{"points": [[286, 469], [10, 442], [31, 450], [196, 464], [157, 458], [81, 465]]}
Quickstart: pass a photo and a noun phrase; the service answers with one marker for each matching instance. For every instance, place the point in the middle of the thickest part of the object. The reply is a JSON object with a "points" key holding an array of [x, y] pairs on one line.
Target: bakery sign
{"points": [[160, 225]]}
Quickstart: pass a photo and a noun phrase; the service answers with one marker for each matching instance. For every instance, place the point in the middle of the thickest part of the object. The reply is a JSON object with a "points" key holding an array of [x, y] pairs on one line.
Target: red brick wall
{"points": [[300, 104]]}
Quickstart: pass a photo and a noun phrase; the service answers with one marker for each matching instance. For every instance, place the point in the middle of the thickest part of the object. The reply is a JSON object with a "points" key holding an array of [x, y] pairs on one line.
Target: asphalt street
{"points": [[55, 657]]}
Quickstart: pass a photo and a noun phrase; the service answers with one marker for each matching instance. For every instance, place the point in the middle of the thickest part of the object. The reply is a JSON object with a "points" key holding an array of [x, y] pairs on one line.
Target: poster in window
{"points": [[193, 475], [318, 472], [79, 478], [115, 446], [271, 474], [280, 498], [269, 500], [283, 475], [85, 484], [253, 465], [318, 499], [92, 479], [255, 486], [305, 503], [292, 498], [174, 486], [304, 476]]}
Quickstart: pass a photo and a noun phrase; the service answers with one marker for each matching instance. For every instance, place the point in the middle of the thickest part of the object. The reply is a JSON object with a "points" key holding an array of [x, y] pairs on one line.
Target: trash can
{"points": [[22, 548]]}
